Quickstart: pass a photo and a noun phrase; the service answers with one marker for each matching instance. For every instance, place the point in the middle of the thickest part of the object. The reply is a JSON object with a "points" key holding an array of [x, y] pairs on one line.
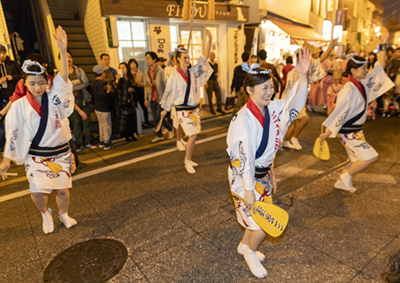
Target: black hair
{"points": [[398, 48], [251, 80], [353, 65], [34, 68], [245, 56], [262, 54], [152, 54], [128, 68], [372, 63], [59, 54], [37, 57], [133, 60], [97, 74], [181, 46], [289, 60], [390, 48], [102, 55]]}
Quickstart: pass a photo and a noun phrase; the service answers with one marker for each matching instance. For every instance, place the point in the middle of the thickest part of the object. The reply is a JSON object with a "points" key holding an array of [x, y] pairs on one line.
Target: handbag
{"points": [[230, 102]]}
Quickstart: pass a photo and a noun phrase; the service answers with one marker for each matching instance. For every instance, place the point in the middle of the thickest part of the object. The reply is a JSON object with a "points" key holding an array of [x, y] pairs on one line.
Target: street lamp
{"points": [[377, 29]]}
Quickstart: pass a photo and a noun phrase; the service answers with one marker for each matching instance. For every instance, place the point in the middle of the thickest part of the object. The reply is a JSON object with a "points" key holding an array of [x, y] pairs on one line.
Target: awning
{"points": [[298, 34]]}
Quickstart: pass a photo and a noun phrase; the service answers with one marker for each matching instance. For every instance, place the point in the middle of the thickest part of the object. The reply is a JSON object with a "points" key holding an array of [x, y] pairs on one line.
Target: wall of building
{"points": [[292, 9], [4, 36], [89, 11]]}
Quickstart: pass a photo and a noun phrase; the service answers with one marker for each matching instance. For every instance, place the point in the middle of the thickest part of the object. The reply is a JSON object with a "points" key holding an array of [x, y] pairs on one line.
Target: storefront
{"points": [[279, 35], [158, 26]]}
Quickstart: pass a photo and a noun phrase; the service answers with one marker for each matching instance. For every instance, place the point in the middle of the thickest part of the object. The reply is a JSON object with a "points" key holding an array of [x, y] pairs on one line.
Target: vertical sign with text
{"points": [[160, 40], [235, 48]]}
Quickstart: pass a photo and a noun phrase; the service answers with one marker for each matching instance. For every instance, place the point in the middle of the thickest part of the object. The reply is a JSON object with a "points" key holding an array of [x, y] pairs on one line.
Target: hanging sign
{"points": [[160, 40]]}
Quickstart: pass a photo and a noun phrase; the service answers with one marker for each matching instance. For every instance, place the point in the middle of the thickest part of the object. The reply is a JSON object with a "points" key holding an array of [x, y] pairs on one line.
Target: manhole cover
{"points": [[94, 261]]}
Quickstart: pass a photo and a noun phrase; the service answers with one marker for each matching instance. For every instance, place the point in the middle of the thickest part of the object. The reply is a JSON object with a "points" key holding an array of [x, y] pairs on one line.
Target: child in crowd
{"points": [[102, 109], [38, 132]]}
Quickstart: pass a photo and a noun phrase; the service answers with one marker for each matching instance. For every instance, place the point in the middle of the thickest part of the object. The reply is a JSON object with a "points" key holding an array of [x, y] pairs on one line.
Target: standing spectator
{"points": [[155, 86], [10, 73], [333, 91], [264, 64], [126, 110], [394, 64], [100, 95], [254, 59], [138, 86], [161, 62], [285, 71], [80, 118], [213, 86], [110, 79], [238, 80]]}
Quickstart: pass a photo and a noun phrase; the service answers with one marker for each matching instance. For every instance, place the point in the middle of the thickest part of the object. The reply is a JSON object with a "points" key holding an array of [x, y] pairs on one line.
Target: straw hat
{"points": [[312, 48]]}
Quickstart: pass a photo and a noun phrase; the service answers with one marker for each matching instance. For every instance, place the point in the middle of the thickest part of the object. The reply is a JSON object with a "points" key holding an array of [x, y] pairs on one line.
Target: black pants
{"points": [[156, 110], [213, 86], [139, 98]]}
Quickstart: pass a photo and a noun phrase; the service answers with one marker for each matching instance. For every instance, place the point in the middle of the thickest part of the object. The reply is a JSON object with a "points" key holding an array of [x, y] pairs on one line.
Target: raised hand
{"points": [[61, 38], [208, 33], [384, 36], [304, 61]]}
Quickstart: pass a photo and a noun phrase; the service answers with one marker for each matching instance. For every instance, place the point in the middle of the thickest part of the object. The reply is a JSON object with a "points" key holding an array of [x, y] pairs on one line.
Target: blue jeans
{"points": [[156, 111]]}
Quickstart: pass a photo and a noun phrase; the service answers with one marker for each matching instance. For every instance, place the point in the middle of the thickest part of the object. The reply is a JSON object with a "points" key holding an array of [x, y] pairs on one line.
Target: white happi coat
{"points": [[22, 123], [244, 137], [168, 71], [350, 101], [175, 95], [315, 73]]}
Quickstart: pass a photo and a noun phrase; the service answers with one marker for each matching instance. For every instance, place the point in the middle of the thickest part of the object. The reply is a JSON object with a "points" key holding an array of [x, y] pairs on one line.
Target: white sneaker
{"points": [[194, 164], [287, 144], [48, 225], [171, 134], [67, 221], [347, 182], [157, 139], [189, 167], [180, 145], [295, 143]]}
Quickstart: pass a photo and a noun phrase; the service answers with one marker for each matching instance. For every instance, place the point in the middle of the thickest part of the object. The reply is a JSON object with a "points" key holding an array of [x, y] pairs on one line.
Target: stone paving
{"points": [[182, 228]]}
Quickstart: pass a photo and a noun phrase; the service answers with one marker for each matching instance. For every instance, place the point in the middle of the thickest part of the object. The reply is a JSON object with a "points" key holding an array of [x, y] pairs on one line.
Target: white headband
{"points": [[358, 62], [28, 63], [183, 50]]}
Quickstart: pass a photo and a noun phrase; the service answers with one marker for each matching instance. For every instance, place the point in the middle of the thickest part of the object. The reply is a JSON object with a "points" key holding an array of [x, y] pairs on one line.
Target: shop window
{"points": [[174, 37], [133, 42]]}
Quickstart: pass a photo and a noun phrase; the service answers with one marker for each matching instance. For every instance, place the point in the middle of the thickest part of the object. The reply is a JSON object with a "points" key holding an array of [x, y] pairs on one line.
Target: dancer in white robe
{"points": [[254, 136], [168, 71], [38, 132], [350, 113], [182, 97]]}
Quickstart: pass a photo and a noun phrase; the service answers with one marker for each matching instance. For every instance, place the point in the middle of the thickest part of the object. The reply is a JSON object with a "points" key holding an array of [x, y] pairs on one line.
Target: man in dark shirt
{"points": [[239, 74], [213, 86], [394, 64], [10, 74], [262, 54]]}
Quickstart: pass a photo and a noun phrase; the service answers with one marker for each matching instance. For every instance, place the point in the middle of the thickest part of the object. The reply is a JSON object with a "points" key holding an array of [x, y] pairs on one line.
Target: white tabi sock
{"points": [[183, 142], [347, 181], [254, 264], [68, 221], [295, 143], [48, 225], [194, 164], [180, 145], [242, 248], [189, 167]]}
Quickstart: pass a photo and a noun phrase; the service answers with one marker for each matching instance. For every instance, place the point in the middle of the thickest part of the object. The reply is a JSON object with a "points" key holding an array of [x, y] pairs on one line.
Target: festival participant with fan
{"points": [[182, 97], [38, 132], [350, 113], [254, 137]]}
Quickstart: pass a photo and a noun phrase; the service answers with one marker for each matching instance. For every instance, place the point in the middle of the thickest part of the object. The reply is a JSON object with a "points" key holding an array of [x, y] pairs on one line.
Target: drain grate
{"points": [[94, 261]]}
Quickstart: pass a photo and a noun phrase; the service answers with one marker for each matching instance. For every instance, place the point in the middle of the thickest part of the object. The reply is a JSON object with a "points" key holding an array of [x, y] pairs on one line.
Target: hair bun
{"points": [[345, 74]]}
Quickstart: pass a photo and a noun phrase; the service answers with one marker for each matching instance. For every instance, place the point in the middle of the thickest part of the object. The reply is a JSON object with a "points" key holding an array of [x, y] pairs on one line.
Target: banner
{"points": [[255, 42], [160, 40], [236, 43], [339, 17], [112, 32]]}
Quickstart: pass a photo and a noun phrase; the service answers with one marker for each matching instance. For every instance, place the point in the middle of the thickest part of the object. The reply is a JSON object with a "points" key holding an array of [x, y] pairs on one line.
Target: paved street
{"points": [[182, 228]]}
